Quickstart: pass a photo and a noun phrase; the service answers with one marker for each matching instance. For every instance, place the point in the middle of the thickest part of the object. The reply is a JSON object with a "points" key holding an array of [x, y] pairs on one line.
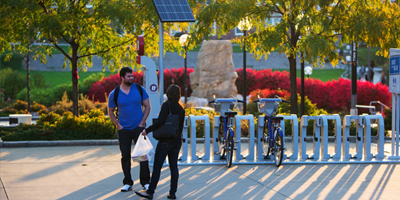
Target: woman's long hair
{"points": [[174, 93]]}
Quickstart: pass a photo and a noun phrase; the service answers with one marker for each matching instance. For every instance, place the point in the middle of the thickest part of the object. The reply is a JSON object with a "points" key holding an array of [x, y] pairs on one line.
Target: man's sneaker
{"points": [[126, 188], [146, 187]]}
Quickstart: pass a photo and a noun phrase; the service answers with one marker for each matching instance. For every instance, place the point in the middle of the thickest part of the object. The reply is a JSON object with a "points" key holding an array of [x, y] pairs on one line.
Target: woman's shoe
{"points": [[171, 196], [145, 195]]}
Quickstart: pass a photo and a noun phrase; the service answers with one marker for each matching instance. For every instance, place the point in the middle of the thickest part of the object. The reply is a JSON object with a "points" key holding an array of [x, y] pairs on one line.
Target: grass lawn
{"points": [[322, 74], [54, 78]]}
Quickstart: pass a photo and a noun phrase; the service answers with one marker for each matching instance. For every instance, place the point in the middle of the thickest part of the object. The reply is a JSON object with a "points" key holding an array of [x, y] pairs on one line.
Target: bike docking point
{"points": [[193, 140], [325, 137], [295, 136], [238, 139], [316, 137], [359, 121]]}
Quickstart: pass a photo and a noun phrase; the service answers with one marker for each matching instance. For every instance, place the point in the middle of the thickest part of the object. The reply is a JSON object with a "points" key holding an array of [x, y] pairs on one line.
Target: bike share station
{"points": [[210, 151]]}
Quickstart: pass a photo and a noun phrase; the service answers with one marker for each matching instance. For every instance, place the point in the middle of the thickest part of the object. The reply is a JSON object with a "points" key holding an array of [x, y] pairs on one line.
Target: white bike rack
{"points": [[360, 121], [215, 145], [238, 138], [325, 137], [185, 142], [367, 136], [316, 138], [259, 143], [192, 120], [295, 132]]}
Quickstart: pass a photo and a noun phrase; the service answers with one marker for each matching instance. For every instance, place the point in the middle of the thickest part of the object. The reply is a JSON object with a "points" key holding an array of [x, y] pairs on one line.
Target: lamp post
{"points": [[183, 42], [348, 60], [244, 25], [308, 71]]}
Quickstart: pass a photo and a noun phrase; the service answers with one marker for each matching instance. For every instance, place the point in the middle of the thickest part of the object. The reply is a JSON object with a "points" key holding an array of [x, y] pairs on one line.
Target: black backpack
{"points": [[116, 93]]}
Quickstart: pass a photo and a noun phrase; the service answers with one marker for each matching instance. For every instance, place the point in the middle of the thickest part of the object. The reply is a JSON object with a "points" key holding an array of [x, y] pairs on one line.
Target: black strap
{"points": [[116, 93]]}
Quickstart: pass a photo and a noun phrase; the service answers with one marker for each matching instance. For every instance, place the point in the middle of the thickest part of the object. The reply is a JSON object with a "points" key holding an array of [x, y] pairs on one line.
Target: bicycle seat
{"points": [[230, 113], [276, 118]]}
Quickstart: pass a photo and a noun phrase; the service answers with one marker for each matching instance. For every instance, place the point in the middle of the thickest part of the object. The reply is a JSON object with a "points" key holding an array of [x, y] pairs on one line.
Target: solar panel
{"points": [[174, 11]]}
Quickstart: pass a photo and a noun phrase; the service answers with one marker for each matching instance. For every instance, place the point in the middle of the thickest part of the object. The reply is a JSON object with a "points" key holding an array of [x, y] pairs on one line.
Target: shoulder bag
{"points": [[169, 129]]}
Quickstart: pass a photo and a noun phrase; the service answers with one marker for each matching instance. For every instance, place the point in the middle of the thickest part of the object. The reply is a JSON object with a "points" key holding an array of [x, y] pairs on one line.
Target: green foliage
{"points": [[38, 81], [200, 124], [89, 81], [21, 107], [11, 82], [94, 125]]}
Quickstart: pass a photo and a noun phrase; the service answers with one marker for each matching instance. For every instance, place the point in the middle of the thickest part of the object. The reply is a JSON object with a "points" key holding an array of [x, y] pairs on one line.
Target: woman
{"points": [[170, 146]]}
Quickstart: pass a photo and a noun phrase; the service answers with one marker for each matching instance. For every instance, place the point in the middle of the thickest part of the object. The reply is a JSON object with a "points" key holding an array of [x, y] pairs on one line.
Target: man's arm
{"points": [[146, 112], [113, 118]]}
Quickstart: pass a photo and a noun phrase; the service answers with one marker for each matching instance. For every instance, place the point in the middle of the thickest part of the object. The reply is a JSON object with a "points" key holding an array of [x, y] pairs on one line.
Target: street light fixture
{"points": [[183, 42], [308, 71], [348, 60], [244, 25]]}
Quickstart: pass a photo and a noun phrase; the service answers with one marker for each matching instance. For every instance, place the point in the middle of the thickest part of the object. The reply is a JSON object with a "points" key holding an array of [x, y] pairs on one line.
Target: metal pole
{"points": [[354, 76], [185, 74], [244, 72], [302, 85], [161, 56], [397, 125]]}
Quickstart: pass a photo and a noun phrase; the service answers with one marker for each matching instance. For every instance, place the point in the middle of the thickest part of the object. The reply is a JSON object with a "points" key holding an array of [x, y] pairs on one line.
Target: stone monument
{"points": [[214, 73]]}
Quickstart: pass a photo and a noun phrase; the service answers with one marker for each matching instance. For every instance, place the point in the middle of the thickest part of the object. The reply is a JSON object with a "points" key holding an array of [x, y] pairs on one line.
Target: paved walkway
{"points": [[94, 172]]}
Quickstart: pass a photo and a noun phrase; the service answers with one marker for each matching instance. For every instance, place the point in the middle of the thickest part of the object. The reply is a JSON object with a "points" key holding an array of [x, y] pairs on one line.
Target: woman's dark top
{"points": [[176, 109]]}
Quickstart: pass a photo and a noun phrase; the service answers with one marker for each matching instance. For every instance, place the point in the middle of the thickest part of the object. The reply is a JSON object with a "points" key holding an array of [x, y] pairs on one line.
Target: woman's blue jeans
{"points": [[170, 147]]}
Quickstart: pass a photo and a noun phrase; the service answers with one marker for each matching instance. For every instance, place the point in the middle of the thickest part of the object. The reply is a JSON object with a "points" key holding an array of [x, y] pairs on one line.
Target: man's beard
{"points": [[128, 83]]}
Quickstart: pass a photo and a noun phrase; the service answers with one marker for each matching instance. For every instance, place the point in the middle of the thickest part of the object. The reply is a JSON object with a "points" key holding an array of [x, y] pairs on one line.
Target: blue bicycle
{"points": [[272, 138], [225, 140]]}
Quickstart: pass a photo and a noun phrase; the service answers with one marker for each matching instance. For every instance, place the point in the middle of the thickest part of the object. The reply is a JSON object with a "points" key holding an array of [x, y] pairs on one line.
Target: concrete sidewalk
{"points": [[94, 172]]}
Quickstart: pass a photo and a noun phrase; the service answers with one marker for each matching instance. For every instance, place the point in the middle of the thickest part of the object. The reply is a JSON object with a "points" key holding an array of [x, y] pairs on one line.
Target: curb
{"points": [[13, 144], [58, 143]]}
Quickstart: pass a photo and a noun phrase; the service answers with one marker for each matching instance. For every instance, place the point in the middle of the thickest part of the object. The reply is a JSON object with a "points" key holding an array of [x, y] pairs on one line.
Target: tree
{"points": [[310, 26], [107, 29], [23, 34]]}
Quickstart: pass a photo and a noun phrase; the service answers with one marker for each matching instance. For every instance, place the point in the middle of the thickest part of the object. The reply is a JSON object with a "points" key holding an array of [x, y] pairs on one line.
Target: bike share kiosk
{"points": [[394, 88], [150, 83]]}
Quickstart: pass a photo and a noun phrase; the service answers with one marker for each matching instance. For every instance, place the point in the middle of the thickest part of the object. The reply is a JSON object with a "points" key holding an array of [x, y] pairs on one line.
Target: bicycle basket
{"points": [[261, 107], [217, 107]]}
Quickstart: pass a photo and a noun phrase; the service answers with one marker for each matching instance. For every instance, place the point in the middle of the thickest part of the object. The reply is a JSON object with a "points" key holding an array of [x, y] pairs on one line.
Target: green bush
{"points": [[94, 125], [38, 82], [12, 82], [89, 81]]}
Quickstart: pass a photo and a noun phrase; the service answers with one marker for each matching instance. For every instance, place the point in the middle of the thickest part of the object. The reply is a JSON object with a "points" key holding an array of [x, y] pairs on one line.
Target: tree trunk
{"points": [[293, 85], [75, 77], [28, 80]]}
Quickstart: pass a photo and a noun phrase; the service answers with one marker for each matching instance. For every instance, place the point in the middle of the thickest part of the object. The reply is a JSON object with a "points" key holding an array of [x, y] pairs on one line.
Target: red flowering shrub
{"points": [[177, 76], [262, 79], [102, 88], [332, 96], [266, 93]]}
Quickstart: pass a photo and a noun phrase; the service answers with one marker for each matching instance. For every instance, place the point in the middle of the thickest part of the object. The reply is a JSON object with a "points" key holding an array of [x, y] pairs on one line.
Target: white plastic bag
{"points": [[143, 150]]}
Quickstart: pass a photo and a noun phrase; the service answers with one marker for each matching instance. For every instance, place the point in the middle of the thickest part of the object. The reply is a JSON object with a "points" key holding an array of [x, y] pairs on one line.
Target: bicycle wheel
{"points": [[278, 155], [229, 148], [266, 147]]}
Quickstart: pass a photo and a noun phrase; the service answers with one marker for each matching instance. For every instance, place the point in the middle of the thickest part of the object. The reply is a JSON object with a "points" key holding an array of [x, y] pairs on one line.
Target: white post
{"points": [[185, 140], [192, 121], [161, 56], [215, 144], [260, 133]]}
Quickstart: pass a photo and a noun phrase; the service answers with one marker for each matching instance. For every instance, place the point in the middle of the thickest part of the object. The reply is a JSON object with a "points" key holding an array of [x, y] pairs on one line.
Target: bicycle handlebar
{"points": [[225, 100], [271, 99]]}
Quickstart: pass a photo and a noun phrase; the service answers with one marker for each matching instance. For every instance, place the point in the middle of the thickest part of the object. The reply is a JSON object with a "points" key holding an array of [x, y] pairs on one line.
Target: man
{"points": [[131, 123]]}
